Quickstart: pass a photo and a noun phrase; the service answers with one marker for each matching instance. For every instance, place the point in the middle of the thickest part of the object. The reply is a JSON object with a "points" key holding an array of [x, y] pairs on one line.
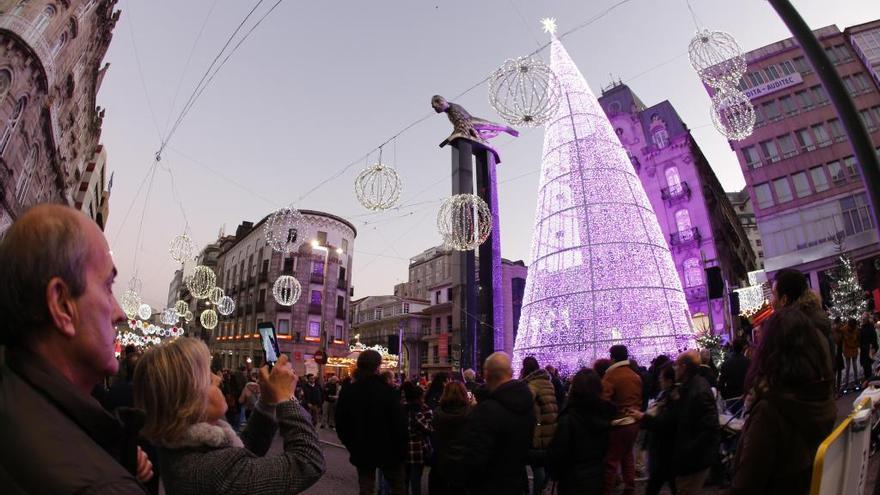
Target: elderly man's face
{"points": [[97, 309]]}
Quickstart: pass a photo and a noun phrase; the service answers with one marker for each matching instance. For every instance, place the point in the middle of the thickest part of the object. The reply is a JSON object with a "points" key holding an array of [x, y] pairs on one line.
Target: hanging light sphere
{"points": [[188, 316], [201, 282], [286, 290], [181, 248], [131, 301], [464, 221], [225, 306], [135, 284], [181, 307], [169, 316], [717, 58], [283, 229], [215, 295], [378, 187], [145, 311], [524, 92], [208, 319], [733, 114]]}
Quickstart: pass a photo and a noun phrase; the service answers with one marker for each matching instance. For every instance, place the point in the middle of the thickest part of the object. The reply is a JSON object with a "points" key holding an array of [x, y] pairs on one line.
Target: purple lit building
{"points": [[804, 182], [710, 249]]}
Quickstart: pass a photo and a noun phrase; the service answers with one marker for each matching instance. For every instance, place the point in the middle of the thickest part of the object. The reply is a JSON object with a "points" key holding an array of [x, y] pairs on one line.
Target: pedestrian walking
{"points": [[660, 421], [435, 389], [198, 451], [791, 407], [733, 371], [314, 397], [851, 353], [491, 455], [622, 387], [576, 455], [867, 345], [58, 332], [546, 412], [420, 452], [249, 397], [449, 422], [371, 423], [331, 393]]}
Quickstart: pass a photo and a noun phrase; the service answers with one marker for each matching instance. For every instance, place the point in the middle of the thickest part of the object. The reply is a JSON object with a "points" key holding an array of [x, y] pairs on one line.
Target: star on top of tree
{"points": [[549, 24]]}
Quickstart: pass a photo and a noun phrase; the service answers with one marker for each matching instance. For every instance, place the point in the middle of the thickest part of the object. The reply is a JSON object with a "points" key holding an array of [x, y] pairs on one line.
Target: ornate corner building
{"points": [[51, 55]]}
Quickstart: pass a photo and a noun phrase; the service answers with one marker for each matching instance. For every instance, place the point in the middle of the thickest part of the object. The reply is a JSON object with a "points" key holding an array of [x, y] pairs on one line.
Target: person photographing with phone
{"points": [[199, 451]]}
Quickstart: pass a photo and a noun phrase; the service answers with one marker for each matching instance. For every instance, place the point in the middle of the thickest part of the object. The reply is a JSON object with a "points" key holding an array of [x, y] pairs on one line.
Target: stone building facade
{"points": [[704, 234], [391, 321], [742, 205], [51, 55], [247, 269], [803, 180]]}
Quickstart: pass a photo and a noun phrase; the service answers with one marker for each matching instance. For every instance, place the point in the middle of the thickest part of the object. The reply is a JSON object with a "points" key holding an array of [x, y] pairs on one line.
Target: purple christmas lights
{"points": [[601, 271]]}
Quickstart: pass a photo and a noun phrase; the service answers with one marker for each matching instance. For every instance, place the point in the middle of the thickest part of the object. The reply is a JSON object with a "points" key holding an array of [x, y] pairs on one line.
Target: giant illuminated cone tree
{"points": [[601, 271]]}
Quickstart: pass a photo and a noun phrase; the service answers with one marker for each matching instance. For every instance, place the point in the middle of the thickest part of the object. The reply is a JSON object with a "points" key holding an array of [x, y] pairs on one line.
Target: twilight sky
{"points": [[319, 84]]}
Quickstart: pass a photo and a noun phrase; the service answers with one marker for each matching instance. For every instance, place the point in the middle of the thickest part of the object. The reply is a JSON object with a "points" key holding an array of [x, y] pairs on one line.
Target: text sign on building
{"points": [[774, 86]]}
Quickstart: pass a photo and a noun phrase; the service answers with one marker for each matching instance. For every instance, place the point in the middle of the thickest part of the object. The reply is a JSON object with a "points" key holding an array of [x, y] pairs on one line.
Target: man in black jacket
{"points": [[491, 456], [371, 424], [733, 371], [56, 298]]}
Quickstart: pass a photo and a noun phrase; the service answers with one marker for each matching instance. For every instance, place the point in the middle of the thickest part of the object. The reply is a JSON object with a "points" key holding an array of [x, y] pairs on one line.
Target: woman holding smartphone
{"points": [[199, 451]]}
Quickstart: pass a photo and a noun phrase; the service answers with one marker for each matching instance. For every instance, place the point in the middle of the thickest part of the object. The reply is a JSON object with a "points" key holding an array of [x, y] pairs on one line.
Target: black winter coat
{"points": [[576, 453], [697, 432], [370, 422], [449, 423], [492, 453], [733, 375]]}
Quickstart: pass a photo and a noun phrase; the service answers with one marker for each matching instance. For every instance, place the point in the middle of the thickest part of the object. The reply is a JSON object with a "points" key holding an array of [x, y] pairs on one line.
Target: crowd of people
{"points": [[206, 430]]}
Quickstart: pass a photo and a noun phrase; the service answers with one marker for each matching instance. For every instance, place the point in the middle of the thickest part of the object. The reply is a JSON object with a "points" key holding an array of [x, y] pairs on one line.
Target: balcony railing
{"points": [[685, 237], [676, 193], [280, 308], [314, 308], [316, 278], [264, 276]]}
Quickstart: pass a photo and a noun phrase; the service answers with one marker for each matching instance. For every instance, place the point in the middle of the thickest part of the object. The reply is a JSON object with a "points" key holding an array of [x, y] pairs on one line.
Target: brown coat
{"points": [[622, 387], [546, 409]]}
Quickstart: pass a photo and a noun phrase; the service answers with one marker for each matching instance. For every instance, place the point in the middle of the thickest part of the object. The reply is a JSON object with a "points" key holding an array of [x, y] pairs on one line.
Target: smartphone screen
{"points": [[270, 342]]}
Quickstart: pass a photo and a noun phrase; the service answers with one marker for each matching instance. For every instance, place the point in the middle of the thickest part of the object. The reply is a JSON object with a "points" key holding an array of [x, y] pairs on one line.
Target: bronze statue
{"points": [[466, 126]]}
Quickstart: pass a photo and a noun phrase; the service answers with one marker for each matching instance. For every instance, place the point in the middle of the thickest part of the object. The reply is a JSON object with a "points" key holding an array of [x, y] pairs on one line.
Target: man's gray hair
{"points": [[47, 241]]}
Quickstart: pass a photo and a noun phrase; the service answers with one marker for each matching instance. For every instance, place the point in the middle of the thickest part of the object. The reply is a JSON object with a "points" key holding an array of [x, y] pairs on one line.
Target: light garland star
{"points": [[549, 24]]}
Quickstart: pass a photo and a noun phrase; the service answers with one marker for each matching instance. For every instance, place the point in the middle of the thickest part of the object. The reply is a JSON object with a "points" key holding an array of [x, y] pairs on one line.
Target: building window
{"points": [[771, 111], [789, 106], [755, 78], [683, 224], [787, 67], [673, 181], [772, 73], [43, 20], [783, 190], [5, 83], [322, 238], [750, 155], [62, 40], [12, 124], [843, 53], [338, 335], [693, 272], [406, 308], [771, 152], [805, 139], [822, 137], [315, 329], [832, 55], [449, 323], [800, 63], [837, 132], [316, 297], [819, 95], [804, 99], [852, 166], [856, 214], [801, 184], [27, 173], [345, 245], [875, 111], [660, 138], [763, 196], [820, 180], [318, 268], [288, 266], [836, 172], [437, 297], [866, 118], [283, 327], [787, 146]]}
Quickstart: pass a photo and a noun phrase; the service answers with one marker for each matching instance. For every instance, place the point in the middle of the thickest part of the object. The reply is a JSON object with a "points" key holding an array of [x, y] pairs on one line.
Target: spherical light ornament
{"points": [[286, 290], [135, 284], [717, 58], [145, 311], [378, 187], [225, 306], [733, 114], [524, 92], [201, 282], [169, 316], [181, 248], [215, 295], [464, 221], [181, 307], [188, 316], [283, 230], [131, 301], [208, 319]]}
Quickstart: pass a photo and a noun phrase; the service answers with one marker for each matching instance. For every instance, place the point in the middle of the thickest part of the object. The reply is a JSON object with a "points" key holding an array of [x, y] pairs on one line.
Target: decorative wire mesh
{"points": [[524, 92]]}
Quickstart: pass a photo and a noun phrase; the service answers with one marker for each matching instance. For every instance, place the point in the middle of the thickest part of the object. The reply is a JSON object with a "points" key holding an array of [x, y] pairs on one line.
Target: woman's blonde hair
{"points": [[171, 383]]}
